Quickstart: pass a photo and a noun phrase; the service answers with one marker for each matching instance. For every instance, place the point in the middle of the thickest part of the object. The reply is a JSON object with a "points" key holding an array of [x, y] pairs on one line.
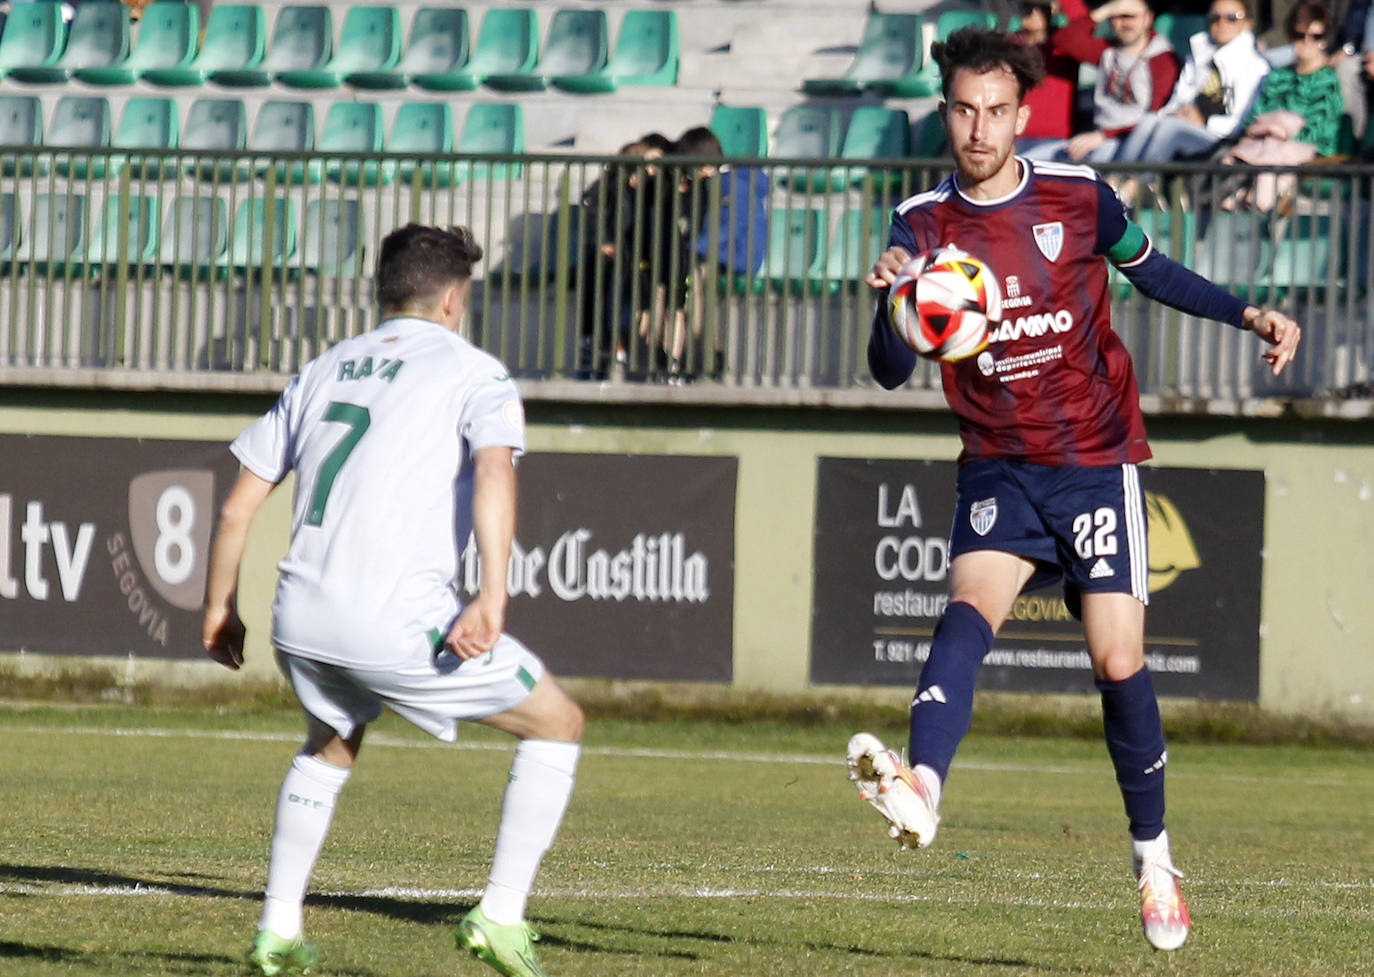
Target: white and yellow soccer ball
{"points": [[944, 304]]}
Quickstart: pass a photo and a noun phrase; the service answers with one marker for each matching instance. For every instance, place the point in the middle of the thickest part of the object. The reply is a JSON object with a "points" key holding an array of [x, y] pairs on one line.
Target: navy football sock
{"points": [[943, 706], [1135, 740]]}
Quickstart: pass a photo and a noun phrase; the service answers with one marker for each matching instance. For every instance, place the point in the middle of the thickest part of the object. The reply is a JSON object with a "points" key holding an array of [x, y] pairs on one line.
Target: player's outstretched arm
{"points": [[493, 526], [1279, 331], [222, 630]]}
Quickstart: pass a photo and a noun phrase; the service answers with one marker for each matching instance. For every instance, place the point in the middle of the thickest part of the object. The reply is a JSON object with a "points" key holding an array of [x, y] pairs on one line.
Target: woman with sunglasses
{"points": [[1218, 83], [1297, 114]]}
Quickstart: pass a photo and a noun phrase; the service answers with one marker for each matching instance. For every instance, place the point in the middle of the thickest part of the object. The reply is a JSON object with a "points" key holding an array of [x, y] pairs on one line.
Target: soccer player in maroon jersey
{"points": [[1052, 431]]}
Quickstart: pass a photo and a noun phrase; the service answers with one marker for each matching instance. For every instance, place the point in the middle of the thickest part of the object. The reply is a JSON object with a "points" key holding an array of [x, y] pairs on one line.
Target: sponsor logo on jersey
{"points": [[1049, 238], [1060, 320], [982, 516]]}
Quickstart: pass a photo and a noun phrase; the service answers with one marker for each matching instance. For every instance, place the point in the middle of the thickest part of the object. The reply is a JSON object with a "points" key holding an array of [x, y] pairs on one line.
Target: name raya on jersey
{"points": [[379, 431], [1055, 385]]}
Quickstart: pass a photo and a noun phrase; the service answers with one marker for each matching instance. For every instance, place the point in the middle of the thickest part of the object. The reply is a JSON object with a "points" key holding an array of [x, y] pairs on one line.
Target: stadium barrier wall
{"points": [[176, 269], [1316, 623]]}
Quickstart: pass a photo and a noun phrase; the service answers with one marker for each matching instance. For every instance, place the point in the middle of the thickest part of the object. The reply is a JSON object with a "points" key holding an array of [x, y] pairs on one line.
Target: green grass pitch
{"points": [[134, 842]]}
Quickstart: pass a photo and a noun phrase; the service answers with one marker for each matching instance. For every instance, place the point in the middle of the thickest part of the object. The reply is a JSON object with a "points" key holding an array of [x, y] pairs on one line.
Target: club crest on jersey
{"points": [[1049, 238], [982, 515]]}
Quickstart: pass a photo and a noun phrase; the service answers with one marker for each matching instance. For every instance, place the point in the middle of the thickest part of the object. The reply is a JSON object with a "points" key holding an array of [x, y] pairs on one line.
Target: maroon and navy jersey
{"points": [[1055, 385]]}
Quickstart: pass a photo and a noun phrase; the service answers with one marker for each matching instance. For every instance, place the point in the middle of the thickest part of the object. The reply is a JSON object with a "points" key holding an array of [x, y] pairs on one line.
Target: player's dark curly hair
{"points": [[984, 50], [417, 263]]}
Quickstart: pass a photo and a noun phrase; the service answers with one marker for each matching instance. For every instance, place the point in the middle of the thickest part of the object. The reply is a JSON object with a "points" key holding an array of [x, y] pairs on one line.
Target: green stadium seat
{"points": [[352, 127], [859, 238], [889, 59], [576, 46], [263, 237], [215, 126], [491, 127], [929, 137], [56, 240], [99, 37], [1178, 27], [167, 38], [647, 52], [874, 132], [507, 44], [195, 237], [33, 37], [811, 132], [797, 247], [9, 230], [423, 129], [1235, 252], [235, 40], [136, 217], [926, 81], [438, 45], [283, 127], [80, 122], [1306, 253], [21, 124], [331, 239], [148, 123], [742, 130], [370, 42], [302, 40]]}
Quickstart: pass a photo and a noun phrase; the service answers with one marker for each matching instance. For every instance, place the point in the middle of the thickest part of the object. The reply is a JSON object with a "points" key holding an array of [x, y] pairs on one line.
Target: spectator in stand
{"points": [[732, 244], [1348, 47], [608, 210], [1051, 102], [1136, 73], [1296, 116], [1214, 93]]}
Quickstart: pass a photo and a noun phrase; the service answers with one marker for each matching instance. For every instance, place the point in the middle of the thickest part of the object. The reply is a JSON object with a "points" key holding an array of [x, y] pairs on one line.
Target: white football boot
{"points": [[907, 798], [1163, 913]]}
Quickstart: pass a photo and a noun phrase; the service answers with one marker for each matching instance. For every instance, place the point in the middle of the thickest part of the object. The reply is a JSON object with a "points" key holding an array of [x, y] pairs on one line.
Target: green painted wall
{"points": [[1317, 650]]}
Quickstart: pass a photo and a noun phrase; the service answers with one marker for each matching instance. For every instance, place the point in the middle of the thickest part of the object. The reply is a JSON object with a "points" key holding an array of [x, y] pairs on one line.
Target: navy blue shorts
{"points": [[1084, 525]]}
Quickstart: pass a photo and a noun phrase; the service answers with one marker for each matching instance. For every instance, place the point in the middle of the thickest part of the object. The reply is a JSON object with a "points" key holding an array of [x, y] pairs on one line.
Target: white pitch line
{"points": [[1092, 768]]}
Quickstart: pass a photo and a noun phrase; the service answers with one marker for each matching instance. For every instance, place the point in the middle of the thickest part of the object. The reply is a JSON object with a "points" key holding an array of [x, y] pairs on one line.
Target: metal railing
{"points": [[229, 271]]}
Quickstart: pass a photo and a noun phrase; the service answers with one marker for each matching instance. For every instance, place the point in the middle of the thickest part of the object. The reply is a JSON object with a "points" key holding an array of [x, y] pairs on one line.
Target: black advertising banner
{"points": [[104, 543], [624, 565], [881, 582]]}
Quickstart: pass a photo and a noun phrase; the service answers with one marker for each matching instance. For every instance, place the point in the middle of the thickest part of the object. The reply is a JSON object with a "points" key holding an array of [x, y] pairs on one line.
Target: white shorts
{"points": [[433, 694]]}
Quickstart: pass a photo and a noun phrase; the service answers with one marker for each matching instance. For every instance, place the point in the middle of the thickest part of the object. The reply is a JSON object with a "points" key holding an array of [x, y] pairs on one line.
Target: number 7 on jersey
{"points": [[358, 419]]}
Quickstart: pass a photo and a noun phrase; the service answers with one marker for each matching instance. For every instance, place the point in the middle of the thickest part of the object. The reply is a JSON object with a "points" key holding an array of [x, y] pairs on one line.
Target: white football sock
{"points": [[541, 781], [305, 807]]}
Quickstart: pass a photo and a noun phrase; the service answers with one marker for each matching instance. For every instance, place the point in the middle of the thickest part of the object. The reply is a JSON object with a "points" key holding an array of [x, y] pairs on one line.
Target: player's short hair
{"points": [[698, 141], [983, 50], [418, 262]]}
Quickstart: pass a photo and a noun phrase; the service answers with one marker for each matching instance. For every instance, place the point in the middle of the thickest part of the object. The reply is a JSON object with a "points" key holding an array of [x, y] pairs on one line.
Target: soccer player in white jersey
{"points": [[403, 441]]}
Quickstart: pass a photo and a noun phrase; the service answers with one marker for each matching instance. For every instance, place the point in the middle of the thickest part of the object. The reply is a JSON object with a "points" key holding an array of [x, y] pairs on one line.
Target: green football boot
{"points": [[271, 955], [508, 948]]}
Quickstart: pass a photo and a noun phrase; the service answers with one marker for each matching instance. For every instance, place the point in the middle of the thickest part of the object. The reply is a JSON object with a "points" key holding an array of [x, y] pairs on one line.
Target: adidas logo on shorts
{"points": [[1100, 569]]}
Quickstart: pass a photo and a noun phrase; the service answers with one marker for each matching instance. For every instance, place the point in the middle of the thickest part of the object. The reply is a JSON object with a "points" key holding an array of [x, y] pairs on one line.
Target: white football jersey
{"points": [[379, 431]]}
